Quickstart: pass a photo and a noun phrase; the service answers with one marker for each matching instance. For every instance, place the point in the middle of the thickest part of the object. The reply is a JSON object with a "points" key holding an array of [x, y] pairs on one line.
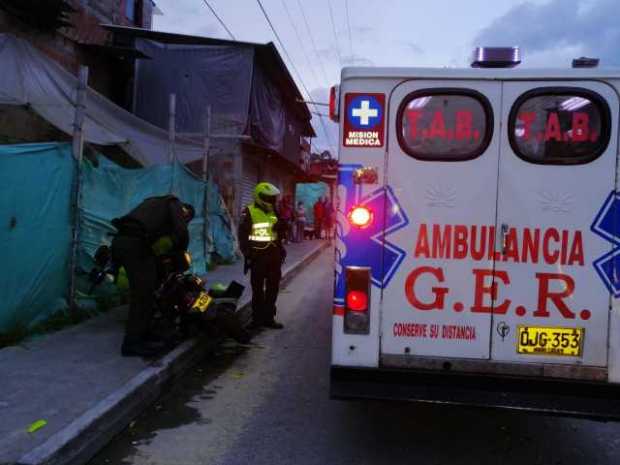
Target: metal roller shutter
{"points": [[249, 180]]}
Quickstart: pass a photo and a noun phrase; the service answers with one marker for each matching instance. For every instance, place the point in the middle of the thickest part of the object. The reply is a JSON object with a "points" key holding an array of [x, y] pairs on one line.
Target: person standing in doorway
{"points": [[300, 221], [328, 220], [286, 216], [319, 215]]}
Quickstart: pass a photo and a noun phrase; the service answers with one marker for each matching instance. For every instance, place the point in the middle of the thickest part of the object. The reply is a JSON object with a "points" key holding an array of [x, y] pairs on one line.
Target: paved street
{"points": [[269, 405]]}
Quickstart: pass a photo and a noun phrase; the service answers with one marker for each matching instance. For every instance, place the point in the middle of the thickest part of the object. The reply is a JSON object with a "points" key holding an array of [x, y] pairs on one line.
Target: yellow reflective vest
{"points": [[262, 226]]}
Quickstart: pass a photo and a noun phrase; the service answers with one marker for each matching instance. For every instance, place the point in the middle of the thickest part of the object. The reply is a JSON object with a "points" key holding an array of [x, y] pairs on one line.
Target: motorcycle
{"points": [[183, 304]]}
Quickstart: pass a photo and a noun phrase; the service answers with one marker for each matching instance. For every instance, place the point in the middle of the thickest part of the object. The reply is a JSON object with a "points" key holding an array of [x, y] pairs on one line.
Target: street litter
{"points": [[37, 425]]}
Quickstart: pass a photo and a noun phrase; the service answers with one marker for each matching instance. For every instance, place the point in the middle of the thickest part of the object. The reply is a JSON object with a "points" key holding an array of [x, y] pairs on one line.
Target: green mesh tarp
{"points": [[35, 207], [110, 191], [309, 193], [35, 237]]}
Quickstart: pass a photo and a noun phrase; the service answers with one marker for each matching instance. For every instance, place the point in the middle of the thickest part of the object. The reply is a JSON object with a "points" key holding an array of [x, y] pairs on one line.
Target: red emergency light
{"points": [[357, 301], [361, 217]]}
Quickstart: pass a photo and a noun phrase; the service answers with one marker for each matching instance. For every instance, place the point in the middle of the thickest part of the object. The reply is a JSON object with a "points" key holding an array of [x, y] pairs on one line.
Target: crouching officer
{"points": [[132, 248], [260, 240]]}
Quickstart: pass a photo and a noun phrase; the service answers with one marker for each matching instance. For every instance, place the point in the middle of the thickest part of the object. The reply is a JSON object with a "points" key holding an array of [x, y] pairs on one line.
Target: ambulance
{"points": [[478, 236]]}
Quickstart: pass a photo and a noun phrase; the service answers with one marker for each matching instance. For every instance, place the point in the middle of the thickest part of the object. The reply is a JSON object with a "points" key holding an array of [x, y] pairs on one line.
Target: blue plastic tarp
{"points": [[110, 191], [35, 237], [36, 209], [309, 193]]}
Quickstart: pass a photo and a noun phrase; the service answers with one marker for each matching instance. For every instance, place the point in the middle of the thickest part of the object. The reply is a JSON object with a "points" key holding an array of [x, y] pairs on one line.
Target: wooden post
{"points": [[238, 162], [172, 126], [205, 178], [77, 152]]}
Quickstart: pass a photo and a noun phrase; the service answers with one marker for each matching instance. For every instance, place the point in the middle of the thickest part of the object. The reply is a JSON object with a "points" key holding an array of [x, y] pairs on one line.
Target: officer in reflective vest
{"points": [[260, 235]]}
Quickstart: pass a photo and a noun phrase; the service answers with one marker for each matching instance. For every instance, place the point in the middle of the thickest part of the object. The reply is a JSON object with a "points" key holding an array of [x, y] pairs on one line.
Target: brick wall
{"points": [[113, 11], [63, 45]]}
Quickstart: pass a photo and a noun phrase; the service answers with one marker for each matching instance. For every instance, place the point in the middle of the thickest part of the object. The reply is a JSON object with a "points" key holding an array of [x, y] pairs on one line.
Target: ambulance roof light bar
{"points": [[585, 62], [496, 57]]}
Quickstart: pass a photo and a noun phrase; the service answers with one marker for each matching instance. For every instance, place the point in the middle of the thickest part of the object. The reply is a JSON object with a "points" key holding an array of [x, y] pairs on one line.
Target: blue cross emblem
{"points": [[364, 112]]}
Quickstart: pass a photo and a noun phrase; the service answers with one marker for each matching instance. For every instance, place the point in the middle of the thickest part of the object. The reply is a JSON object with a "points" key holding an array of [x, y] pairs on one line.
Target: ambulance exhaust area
{"points": [[478, 242]]}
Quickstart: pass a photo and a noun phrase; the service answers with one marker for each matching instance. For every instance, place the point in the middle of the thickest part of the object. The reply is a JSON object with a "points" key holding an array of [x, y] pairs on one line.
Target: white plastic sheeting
{"points": [[29, 78]]}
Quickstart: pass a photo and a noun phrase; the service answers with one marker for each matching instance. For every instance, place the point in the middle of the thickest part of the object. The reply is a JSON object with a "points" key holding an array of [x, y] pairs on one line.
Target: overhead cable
{"points": [[316, 51], [219, 19], [331, 17], [301, 42], [346, 6], [277, 36]]}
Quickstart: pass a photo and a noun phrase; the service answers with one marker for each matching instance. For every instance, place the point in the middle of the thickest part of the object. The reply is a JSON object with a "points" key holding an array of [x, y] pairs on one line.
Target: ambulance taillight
{"points": [[360, 217], [357, 300], [334, 110]]}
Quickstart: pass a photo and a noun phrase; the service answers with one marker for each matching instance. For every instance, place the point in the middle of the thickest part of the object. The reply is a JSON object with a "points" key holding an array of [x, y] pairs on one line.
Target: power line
{"points": [[316, 52], [275, 33], [323, 115], [331, 17], [301, 42], [323, 104], [219, 19], [346, 6]]}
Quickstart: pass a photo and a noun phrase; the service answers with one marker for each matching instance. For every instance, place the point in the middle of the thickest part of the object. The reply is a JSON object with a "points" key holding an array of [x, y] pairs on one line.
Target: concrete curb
{"points": [[78, 442]]}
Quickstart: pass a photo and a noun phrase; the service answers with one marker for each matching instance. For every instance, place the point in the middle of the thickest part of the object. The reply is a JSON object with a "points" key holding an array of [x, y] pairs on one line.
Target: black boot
{"points": [[243, 337], [273, 324], [255, 324]]}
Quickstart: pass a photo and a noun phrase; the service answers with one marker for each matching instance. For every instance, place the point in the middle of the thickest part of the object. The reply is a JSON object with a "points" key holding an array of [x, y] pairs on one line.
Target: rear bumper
{"points": [[595, 400]]}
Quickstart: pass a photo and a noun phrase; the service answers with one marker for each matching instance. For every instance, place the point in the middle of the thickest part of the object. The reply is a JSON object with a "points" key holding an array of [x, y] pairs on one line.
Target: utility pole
{"points": [[172, 115], [78, 153], [205, 178]]}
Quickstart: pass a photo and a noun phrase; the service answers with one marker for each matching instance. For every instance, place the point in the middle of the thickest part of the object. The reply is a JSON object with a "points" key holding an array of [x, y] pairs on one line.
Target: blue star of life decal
{"points": [[606, 224], [367, 246]]}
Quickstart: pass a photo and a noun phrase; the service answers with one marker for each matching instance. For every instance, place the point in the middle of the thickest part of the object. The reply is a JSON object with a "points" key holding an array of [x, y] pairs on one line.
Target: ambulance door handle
{"points": [[504, 232]]}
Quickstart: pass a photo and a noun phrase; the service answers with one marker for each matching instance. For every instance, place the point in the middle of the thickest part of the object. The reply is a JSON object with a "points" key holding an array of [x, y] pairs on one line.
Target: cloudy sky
{"points": [[322, 36]]}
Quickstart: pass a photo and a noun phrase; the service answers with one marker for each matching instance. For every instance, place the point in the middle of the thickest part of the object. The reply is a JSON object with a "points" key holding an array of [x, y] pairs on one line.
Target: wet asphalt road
{"points": [[269, 405]]}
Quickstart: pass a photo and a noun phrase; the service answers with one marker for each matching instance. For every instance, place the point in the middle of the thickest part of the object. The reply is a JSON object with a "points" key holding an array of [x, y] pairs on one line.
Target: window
{"points": [[134, 11], [130, 10], [445, 124], [561, 126]]}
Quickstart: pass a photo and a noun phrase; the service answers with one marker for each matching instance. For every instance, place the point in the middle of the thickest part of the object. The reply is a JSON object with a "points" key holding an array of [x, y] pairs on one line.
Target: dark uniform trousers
{"points": [[266, 273], [140, 263]]}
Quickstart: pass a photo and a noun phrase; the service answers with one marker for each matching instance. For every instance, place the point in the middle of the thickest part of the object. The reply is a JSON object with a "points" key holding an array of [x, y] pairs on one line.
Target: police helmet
{"points": [[265, 195]]}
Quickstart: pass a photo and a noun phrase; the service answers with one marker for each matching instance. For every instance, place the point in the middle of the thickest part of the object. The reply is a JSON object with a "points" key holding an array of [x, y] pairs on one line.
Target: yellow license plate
{"points": [[535, 340], [202, 303]]}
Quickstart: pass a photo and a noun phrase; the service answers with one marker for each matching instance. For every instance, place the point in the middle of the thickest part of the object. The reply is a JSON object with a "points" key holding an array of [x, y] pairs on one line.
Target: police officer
{"points": [[260, 239], [132, 248]]}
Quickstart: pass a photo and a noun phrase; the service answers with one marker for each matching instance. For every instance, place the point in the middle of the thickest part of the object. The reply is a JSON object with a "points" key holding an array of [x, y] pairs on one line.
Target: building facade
{"points": [[71, 33], [258, 122], [243, 92]]}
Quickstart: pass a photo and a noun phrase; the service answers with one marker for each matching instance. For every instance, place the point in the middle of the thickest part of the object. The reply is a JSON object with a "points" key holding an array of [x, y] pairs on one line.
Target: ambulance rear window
{"points": [[564, 126], [445, 124]]}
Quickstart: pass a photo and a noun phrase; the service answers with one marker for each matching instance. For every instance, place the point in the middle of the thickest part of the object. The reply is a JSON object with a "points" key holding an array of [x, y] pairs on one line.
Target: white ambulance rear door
{"points": [[556, 175], [442, 163]]}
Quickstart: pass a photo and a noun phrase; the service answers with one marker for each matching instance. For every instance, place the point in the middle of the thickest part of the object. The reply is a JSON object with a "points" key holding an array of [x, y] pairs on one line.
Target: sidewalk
{"points": [[77, 381]]}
